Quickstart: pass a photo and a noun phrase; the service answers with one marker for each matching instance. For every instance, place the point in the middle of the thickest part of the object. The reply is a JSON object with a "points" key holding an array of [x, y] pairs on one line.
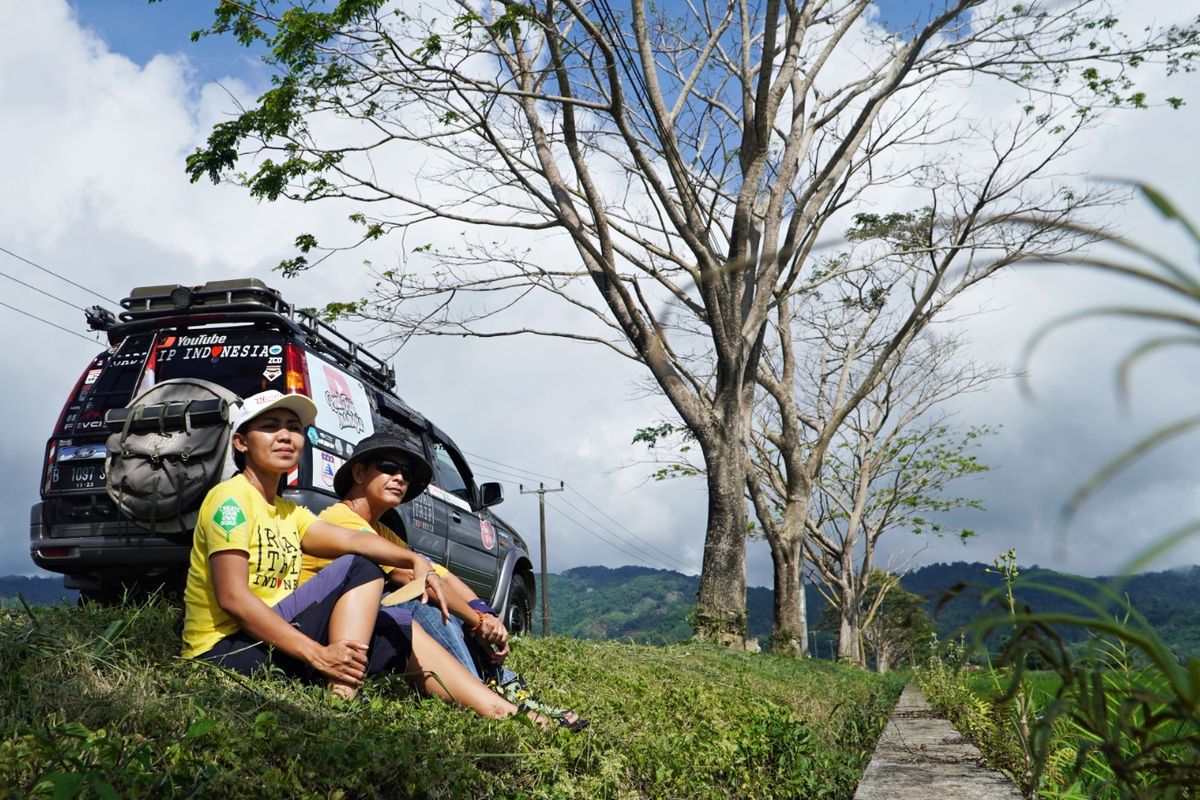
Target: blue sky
{"points": [[139, 30]]}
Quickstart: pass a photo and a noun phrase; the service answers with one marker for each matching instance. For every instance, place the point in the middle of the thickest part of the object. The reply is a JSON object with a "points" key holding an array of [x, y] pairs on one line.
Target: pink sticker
{"points": [[487, 533]]}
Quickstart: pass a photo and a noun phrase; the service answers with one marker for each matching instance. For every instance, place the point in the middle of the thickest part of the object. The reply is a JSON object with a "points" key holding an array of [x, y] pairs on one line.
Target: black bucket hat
{"points": [[389, 440]]}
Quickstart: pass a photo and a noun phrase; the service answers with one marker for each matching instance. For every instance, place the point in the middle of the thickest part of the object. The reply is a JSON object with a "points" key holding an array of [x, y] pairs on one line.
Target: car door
{"points": [[471, 540]]}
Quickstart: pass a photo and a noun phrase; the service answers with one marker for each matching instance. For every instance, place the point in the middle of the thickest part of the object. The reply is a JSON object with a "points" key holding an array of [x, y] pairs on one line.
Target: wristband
{"points": [[478, 623], [482, 607]]}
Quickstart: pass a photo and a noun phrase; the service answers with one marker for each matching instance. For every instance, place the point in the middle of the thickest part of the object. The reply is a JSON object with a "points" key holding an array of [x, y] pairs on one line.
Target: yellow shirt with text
{"points": [[340, 514], [235, 516]]}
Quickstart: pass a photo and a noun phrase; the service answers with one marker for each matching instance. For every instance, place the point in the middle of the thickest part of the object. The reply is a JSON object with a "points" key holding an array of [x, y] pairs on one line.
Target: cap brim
{"points": [[298, 404]]}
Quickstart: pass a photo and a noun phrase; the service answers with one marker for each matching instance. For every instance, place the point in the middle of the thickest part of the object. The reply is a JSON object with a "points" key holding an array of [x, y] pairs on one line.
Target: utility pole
{"points": [[541, 493]]}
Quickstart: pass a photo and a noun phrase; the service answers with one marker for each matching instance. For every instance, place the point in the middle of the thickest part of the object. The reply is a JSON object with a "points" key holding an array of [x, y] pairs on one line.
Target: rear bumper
{"points": [[87, 551]]}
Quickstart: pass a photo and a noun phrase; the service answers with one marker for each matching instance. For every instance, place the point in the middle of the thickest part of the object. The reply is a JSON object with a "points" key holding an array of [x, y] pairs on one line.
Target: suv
{"points": [[241, 335]]}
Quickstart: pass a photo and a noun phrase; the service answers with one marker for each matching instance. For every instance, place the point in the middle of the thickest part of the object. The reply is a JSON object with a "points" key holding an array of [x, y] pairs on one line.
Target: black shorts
{"points": [[308, 610]]}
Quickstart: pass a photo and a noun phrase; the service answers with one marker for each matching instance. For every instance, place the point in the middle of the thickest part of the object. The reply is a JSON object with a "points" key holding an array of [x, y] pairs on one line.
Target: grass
{"points": [[94, 703]]}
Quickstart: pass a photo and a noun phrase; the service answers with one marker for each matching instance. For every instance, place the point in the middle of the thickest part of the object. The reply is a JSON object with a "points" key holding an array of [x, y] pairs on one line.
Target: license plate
{"points": [[70, 477]]}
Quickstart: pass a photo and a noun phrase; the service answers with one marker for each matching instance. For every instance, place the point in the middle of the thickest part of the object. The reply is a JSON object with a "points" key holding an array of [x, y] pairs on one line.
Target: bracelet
{"points": [[482, 607], [478, 623]]}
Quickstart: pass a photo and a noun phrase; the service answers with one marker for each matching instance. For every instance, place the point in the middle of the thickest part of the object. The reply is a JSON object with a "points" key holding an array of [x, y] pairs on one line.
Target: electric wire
{"points": [[511, 467], [60, 277], [48, 322], [662, 555], [41, 291], [618, 524], [636, 552], [601, 537]]}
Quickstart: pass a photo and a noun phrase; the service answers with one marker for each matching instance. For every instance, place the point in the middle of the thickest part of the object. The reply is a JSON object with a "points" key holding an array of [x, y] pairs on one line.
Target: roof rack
{"points": [[252, 297]]}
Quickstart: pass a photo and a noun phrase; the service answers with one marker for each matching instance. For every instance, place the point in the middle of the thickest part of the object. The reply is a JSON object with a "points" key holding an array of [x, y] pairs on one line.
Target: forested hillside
{"points": [[652, 606]]}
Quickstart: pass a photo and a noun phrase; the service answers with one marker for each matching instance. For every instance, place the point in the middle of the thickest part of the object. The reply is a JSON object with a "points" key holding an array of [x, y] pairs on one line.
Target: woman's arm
{"points": [[344, 661], [327, 540]]}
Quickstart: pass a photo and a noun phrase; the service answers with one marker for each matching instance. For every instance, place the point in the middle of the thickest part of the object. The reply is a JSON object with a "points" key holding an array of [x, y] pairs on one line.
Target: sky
{"points": [[101, 101]]}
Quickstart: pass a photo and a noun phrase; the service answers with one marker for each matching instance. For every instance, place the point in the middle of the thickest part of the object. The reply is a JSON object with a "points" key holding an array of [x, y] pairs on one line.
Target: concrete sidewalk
{"points": [[920, 755]]}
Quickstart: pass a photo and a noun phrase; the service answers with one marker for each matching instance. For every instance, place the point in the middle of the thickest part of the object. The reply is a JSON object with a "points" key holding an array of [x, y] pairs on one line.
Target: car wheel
{"points": [[518, 617]]}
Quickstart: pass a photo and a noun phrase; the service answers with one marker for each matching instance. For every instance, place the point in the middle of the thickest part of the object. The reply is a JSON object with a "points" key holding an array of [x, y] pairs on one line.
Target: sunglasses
{"points": [[389, 467]]}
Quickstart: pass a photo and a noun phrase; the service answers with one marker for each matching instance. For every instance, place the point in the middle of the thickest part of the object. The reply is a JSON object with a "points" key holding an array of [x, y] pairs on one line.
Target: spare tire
{"points": [[169, 446]]}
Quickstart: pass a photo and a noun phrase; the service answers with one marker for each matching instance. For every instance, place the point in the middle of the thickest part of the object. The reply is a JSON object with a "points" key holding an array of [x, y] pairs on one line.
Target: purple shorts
{"points": [[308, 610]]}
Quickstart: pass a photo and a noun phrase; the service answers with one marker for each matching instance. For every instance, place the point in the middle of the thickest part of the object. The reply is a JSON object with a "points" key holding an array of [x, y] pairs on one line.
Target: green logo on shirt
{"points": [[229, 515]]}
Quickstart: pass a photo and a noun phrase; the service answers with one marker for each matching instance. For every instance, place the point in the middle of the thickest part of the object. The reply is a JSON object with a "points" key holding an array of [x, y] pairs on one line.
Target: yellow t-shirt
{"points": [[340, 514], [235, 516]]}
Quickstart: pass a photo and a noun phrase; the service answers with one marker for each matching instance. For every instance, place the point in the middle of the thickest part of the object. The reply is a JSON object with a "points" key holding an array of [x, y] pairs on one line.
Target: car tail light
{"points": [[297, 370], [96, 363], [48, 465], [54, 552]]}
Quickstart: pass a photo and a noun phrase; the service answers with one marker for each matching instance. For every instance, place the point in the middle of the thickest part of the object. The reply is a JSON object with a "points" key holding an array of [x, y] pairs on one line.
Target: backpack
{"points": [[167, 448]]}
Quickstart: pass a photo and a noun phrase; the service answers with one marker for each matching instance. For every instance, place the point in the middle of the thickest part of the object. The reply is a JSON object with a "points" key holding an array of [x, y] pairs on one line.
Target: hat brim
{"points": [[422, 472], [298, 404]]}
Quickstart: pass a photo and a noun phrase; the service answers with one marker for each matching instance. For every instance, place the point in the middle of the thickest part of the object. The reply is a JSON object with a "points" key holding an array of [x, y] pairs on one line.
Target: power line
{"points": [[601, 537], [519, 473], [41, 291], [644, 554], [60, 277], [511, 467], [48, 322], [677, 564]]}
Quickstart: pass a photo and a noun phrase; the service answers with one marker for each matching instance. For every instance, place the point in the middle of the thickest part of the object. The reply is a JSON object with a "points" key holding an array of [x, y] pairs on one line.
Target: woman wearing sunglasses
{"points": [[385, 470], [245, 607]]}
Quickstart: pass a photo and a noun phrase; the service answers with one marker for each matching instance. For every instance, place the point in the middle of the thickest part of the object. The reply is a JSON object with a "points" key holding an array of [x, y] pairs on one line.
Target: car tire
{"points": [[518, 615]]}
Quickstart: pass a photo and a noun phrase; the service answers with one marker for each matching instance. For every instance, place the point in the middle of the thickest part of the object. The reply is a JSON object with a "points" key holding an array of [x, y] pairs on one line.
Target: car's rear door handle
{"points": [[454, 515]]}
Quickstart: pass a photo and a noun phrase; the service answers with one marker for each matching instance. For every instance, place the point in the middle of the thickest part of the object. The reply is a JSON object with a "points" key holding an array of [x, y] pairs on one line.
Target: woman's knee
{"points": [[358, 569]]}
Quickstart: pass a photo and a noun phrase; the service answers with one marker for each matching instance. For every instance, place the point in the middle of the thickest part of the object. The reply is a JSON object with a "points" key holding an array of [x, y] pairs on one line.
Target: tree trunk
{"points": [[849, 638], [789, 632], [882, 659], [721, 600]]}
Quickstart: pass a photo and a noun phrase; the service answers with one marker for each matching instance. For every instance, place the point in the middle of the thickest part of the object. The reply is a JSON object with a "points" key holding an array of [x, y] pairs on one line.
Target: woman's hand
{"points": [[343, 661], [435, 590], [494, 636]]}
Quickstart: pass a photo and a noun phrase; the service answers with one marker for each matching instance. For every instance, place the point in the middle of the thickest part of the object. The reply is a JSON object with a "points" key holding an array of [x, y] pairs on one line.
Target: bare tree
{"points": [[691, 161], [888, 469]]}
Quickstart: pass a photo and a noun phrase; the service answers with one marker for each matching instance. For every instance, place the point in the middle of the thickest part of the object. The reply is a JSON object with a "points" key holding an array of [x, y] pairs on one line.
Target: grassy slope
{"points": [[93, 698]]}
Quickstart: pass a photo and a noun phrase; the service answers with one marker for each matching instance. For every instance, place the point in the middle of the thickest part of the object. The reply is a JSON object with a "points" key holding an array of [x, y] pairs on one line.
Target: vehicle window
{"points": [[450, 477], [108, 383], [244, 361]]}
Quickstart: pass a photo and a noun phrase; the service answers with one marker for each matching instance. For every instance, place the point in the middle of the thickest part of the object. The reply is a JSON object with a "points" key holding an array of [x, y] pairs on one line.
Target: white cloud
{"points": [[95, 189]]}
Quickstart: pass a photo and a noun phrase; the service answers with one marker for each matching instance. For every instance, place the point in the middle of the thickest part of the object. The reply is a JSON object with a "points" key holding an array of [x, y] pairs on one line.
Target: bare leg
{"points": [[438, 673], [353, 618]]}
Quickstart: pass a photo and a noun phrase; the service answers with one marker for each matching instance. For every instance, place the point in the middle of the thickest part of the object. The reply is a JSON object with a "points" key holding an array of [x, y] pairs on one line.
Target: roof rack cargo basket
{"points": [[251, 297], [241, 294]]}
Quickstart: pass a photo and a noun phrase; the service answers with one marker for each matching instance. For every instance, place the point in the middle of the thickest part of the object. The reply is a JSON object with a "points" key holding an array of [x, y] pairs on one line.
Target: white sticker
{"points": [[325, 466], [342, 405]]}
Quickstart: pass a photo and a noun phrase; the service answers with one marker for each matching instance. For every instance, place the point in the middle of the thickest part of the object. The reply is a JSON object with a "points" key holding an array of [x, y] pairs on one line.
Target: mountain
{"points": [[36, 591], [654, 606]]}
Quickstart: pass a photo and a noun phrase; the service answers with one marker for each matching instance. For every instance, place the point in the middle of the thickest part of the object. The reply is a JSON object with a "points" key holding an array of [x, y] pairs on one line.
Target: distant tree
{"points": [[889, 468], [689, 155], [897, 629]]}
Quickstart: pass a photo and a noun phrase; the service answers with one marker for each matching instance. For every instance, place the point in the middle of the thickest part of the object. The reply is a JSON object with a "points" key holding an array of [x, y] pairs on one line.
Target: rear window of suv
{"points": [[245, 361], [108, 383]]}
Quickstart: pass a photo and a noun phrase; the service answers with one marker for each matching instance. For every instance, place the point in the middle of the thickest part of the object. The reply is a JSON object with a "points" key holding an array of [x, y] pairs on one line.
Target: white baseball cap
{"points": [[263, 402]]}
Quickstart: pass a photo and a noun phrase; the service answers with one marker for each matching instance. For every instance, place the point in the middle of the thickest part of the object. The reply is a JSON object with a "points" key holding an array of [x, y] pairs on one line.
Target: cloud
{"points": [[95, 190]]}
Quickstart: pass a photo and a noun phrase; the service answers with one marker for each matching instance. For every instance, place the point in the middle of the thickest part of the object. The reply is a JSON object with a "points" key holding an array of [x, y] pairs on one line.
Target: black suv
{"points": [[241, 335]]}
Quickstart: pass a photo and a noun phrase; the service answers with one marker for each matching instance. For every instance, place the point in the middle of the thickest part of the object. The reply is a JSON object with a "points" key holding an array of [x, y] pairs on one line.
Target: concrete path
{"points": [[920, 755]]}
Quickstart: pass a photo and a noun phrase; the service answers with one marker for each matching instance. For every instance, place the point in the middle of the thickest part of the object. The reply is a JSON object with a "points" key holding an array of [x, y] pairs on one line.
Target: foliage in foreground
{"points": [[95, 703]]}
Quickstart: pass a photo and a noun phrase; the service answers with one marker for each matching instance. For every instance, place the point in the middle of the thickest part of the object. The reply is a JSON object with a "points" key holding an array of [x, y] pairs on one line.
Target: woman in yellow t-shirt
{"points": [[244, 607]]}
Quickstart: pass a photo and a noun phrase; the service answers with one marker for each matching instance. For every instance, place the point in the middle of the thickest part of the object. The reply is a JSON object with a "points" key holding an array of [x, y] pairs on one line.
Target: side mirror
{"points": [[492, 494]]}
